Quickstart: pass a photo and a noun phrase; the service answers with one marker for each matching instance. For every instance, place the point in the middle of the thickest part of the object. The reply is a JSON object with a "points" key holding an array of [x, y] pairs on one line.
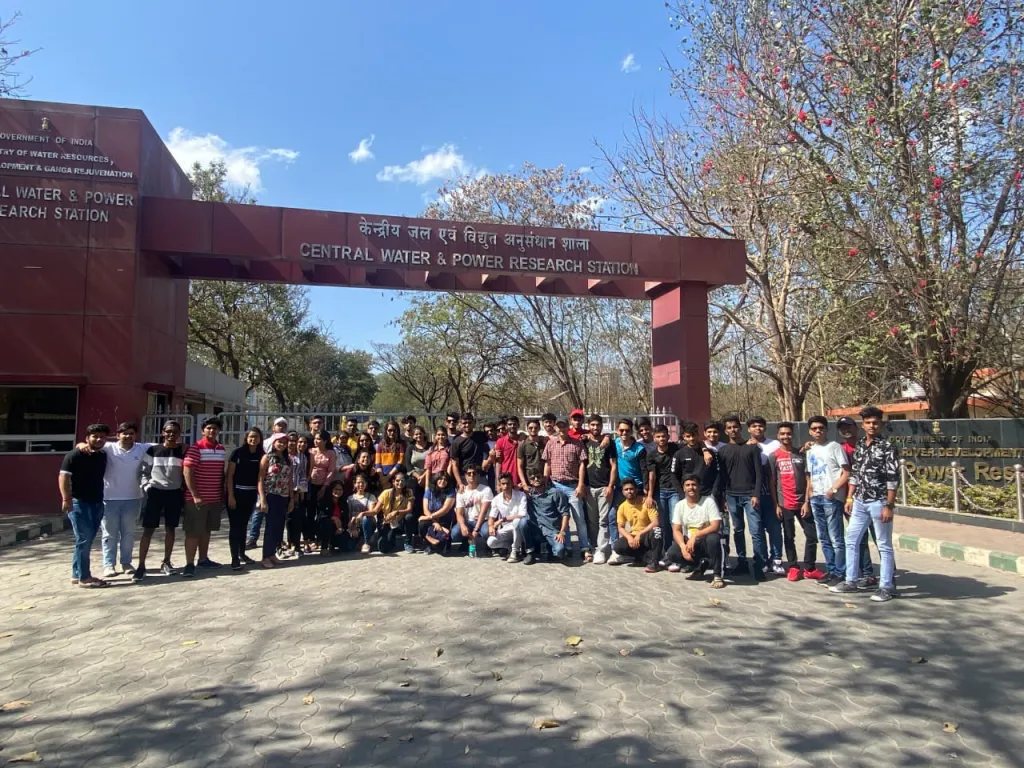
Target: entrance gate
{"points": [[97, 252]]}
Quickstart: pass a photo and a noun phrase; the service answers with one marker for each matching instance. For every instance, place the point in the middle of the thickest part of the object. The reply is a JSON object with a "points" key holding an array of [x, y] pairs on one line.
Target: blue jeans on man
{"points": [[772, 527], [828, 519], [119, 519], [869, 514], [85, 522], [740, 507], [537, 535], [458, 535], [667, 499], [578, 509], [254, 528]]}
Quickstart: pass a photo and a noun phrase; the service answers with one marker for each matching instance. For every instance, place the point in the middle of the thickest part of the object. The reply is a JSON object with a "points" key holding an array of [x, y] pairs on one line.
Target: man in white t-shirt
{"points": [[122, 498], [471, 508], [696, 541], [828, 470], [508, 517]]}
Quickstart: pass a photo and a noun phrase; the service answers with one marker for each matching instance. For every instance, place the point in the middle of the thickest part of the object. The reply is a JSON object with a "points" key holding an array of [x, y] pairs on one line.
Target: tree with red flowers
{"points": [[900, 123]]}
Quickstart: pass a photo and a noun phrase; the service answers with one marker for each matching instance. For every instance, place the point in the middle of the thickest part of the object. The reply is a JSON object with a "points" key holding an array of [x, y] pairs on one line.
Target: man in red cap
{"points": [[576, 430]]}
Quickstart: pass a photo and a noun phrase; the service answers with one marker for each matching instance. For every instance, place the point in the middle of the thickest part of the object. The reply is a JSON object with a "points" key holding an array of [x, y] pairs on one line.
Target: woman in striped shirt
{"points": [[390, 452]]}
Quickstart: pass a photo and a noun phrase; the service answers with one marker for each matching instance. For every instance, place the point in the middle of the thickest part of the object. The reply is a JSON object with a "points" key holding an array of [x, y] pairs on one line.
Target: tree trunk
{"points": [[948, 388]]}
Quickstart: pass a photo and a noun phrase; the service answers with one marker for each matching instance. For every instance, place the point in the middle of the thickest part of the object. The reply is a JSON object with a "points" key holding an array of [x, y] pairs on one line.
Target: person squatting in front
{"points": [[696, 542]]}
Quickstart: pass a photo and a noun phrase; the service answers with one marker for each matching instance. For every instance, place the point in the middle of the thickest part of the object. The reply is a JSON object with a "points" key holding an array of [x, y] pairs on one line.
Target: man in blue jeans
{"points": [[828, 470], [740, 464], [874, 480], [81, 491], [772, 525], [565, 465]]}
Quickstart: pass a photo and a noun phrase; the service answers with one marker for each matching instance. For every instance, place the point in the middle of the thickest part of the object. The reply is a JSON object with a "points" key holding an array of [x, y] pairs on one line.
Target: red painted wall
{"points": [[78, 304]]}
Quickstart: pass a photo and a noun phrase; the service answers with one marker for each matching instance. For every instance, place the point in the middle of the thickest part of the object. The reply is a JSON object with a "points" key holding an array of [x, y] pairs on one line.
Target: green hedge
{"points": [[992, 500]]}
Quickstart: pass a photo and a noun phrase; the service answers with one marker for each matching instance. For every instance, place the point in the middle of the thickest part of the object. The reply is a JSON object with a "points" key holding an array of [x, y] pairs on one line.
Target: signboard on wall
{"points": [[985, 449]]}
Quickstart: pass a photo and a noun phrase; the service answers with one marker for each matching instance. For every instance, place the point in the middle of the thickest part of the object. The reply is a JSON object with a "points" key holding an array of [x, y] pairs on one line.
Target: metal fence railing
{"points": [[961, 495]]}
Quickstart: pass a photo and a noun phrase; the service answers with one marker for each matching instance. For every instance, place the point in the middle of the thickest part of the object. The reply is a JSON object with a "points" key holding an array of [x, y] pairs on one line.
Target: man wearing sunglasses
{"points": [[829, 471]]}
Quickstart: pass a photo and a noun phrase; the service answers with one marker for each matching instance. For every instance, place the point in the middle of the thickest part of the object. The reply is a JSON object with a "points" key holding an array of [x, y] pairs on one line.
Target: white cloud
{"points": [[629, 64], [362, 152], [242, 163], [584, 169], [444, 163]]}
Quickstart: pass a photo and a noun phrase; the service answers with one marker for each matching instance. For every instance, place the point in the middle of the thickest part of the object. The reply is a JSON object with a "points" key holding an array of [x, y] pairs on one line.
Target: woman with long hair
{"points": [[242, 485], [277, 496], [437, 514], [322, 466], [437, 459], [394, 514], [415, 464], [361, 504], [390, 457], [298, 453]]}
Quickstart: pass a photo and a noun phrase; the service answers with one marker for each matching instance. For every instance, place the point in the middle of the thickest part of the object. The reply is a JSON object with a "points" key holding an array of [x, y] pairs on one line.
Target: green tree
{"points": [[260, 333], [901, 125]]}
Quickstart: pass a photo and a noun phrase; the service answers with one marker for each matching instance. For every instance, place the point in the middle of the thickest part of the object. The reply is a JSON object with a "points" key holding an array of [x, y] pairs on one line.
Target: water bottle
{"points": [[472, 550]]}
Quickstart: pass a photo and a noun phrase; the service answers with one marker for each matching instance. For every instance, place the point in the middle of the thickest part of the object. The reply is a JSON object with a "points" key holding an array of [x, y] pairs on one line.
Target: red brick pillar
{"points": [[679, 346]]}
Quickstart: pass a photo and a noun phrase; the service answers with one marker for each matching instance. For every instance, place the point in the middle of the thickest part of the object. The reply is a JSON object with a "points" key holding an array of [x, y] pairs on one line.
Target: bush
{"points": [[992, 500]]}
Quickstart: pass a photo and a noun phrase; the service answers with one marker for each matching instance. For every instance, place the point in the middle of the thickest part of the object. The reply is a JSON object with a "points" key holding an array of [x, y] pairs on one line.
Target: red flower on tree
{"points": [[827, 122], [937, 64], [872, 314], [937, 183], [801, 115], [852, 252], [972, 20]]}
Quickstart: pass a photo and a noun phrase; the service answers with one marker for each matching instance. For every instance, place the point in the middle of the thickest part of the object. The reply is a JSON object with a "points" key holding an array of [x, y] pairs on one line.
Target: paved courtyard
{"points": [[412, 660]]}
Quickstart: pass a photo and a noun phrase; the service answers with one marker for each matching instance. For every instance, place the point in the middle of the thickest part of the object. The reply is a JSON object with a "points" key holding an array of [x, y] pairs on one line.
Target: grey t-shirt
{"points": [[824, 464]]}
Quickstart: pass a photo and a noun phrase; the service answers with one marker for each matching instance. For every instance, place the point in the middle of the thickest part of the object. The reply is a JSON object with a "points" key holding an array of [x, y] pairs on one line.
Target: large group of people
{"points": [[632, 497]]}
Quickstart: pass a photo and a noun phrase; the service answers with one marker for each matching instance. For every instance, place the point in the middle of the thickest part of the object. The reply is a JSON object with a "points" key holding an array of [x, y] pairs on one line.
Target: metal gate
{"points": [[153, 423]]}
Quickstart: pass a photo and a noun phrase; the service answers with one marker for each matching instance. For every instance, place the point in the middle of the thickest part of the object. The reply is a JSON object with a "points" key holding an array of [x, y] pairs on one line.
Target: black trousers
{"points": [[332, 538], [810, 537], [649, 551], [294, 525], [309, 525], [238, 521], [710, 547]]}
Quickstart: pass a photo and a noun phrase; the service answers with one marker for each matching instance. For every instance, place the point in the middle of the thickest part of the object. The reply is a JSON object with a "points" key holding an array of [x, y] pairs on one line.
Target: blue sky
{"points": [[286, 93]]}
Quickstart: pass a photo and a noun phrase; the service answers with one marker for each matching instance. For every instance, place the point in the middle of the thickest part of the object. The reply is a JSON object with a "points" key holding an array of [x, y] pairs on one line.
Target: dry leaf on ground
{"points": [[699, 652], [23, 607], [573, 640], [467, 749], [308, 699], [28, 757], [951, 727], [202, 695], [542, 725], [623, 652], [850, 605], [918, 660], [438, 651], [495, 674], [191, 642], [405, 738], [15, 706], [404, 684], [715, 601]]}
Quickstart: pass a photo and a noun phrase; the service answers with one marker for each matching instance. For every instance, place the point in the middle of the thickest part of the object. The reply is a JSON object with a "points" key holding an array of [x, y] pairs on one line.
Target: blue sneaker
{"points": [[409, 548]]}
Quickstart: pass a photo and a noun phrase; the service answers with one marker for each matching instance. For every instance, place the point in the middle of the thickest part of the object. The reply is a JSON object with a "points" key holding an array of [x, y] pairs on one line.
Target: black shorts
{"points": [[165, 504]]}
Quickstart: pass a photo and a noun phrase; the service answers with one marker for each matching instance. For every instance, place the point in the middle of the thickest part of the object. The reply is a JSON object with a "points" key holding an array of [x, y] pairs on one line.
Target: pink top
{"points": [[322, 465]]}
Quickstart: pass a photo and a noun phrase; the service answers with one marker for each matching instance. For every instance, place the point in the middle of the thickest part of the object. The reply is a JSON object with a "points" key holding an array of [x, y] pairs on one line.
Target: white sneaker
{"points": [[128, 570], [600, 558], [778, 567], [617, 559], [109, 573], [674, 568], [514, 557]]}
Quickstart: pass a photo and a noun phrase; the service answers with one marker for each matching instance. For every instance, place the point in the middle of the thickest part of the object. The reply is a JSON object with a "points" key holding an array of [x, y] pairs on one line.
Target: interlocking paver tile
{"points": [[789, 675]]}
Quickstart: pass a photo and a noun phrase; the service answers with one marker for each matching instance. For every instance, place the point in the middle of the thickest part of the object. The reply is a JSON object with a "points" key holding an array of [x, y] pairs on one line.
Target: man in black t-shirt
{"points": [[602, 477], [468, 449], [81, 491], [530, 454]]}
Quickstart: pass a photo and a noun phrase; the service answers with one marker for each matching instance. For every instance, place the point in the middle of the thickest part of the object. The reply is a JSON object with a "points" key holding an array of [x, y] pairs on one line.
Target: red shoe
{"points": [[793, 574], [816, 575]]}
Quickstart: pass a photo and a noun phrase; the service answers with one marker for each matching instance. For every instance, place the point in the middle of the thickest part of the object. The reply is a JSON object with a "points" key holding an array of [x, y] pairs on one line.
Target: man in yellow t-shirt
{"points": [[639, 534]]}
